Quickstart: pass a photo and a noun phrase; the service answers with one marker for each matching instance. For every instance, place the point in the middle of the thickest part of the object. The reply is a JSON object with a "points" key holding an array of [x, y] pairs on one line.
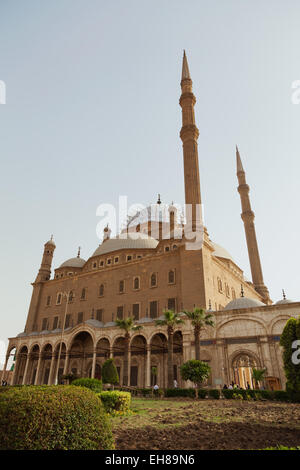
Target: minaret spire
{"points": [[185, 68], [189, 135], [248, 219]]}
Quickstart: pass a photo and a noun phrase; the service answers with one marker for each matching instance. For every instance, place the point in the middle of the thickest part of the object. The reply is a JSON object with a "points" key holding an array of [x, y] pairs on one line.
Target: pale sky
{"points": [[91, 113]]}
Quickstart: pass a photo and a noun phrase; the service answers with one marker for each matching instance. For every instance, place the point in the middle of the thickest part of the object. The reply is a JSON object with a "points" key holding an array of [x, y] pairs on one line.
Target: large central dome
{"points": [[130, 241]]}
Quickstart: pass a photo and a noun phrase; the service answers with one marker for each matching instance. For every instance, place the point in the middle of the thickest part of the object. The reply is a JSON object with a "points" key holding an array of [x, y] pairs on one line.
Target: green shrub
{"points": [[202, 393], [214, 393], [115, 401], [290, 334], [53, 418], [93, 384], [267, 394], [180, 392], [110, 373], [227, 393], [294, 396], [145, 391], [281, 395]]}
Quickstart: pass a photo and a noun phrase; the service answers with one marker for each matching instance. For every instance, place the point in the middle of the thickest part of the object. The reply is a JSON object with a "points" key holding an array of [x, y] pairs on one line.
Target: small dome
{"points": [[129, 241], [220, 252], [243, 302], [284, 301], [73, 263]]}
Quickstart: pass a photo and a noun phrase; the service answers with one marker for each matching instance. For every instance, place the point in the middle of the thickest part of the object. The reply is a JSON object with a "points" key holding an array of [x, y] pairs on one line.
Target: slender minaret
{"points": [[248, 219], [189, 135], [43, 275], [45, 269]]}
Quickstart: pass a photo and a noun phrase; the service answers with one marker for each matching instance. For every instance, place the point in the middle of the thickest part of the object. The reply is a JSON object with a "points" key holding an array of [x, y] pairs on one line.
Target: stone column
{"points": [[38, 370], [111, 353], [4, 368], [129, 365], [66, 364], [51, 369], [94, 362], [148, 366], [25, 370]]}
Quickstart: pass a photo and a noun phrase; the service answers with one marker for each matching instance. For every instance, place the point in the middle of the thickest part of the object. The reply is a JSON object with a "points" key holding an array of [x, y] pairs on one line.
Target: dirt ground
{"points": [[184, 424]]}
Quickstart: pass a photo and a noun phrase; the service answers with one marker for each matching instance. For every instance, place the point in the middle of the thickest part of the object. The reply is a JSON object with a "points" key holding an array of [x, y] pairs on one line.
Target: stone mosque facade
{"points": [[70, 326]]}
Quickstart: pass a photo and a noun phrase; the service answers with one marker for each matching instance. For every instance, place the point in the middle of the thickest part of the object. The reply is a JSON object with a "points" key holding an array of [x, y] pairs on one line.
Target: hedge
{"points": [[53, 418], [180, 392], [93, 384], [278, 395], [186, 392], [115, 401], [214, 393]]}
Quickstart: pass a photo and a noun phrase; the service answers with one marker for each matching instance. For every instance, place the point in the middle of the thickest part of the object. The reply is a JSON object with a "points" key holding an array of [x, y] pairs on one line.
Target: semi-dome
{"points": [[221, 252], [243, 302], [284, 301], [127, 241], [73, 263]]}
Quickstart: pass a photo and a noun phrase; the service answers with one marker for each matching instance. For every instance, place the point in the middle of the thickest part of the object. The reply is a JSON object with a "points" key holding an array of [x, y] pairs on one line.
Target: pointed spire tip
{"points": [[185, 68], [239, 165]]}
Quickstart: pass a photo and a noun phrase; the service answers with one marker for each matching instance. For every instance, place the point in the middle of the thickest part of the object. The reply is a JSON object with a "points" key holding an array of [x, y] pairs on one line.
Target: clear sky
{"points": [[92, 113]]}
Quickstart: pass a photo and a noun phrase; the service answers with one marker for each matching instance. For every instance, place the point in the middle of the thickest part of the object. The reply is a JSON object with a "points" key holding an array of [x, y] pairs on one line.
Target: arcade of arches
{"points": [[82, 353], [46, 365]]}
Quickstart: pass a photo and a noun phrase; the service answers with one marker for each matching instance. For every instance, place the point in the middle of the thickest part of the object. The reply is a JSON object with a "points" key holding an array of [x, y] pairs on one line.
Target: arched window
{"points": [[220, 287], [101, 290], [233, 293], [153, 280], [227, 290], [58, 298], [71, 296], [83, 294], [136, 283], [121, 287], [171, 277]]}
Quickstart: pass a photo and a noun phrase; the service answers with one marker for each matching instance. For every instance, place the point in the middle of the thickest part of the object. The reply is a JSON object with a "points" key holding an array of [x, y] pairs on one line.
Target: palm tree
{"points": [[171, 319], [258, 376], [199, 318], [128, 326]]}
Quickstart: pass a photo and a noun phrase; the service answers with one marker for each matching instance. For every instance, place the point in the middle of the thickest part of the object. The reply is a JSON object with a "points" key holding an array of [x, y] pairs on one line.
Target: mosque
{"points": [[149, 267]]}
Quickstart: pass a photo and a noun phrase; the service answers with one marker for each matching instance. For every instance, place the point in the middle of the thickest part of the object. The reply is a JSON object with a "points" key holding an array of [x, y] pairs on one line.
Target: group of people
{"points": [[233, 385]]}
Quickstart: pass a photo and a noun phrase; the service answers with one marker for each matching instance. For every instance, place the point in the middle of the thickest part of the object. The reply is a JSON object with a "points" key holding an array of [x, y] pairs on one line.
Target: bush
{"points": [[227, 393], [115, 401], [214, 393], [281, 395], [180, 392], [93, 384], [202, 393], [145, 391], [110, 373], [53, 418]]}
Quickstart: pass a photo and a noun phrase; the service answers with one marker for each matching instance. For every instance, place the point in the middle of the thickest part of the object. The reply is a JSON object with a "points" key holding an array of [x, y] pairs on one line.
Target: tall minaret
{"points": [[189, 135], [42, 277], [248, 219]]}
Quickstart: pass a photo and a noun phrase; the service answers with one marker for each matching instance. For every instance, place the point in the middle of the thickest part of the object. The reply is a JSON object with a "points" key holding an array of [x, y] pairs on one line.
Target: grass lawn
{"points": [[182, 423]]}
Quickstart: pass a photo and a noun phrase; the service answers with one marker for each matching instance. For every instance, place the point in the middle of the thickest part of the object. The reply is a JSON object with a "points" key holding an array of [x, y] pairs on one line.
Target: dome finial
{"points": [[242, 290], [78, 254], [283, 294], [159, 200]]}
